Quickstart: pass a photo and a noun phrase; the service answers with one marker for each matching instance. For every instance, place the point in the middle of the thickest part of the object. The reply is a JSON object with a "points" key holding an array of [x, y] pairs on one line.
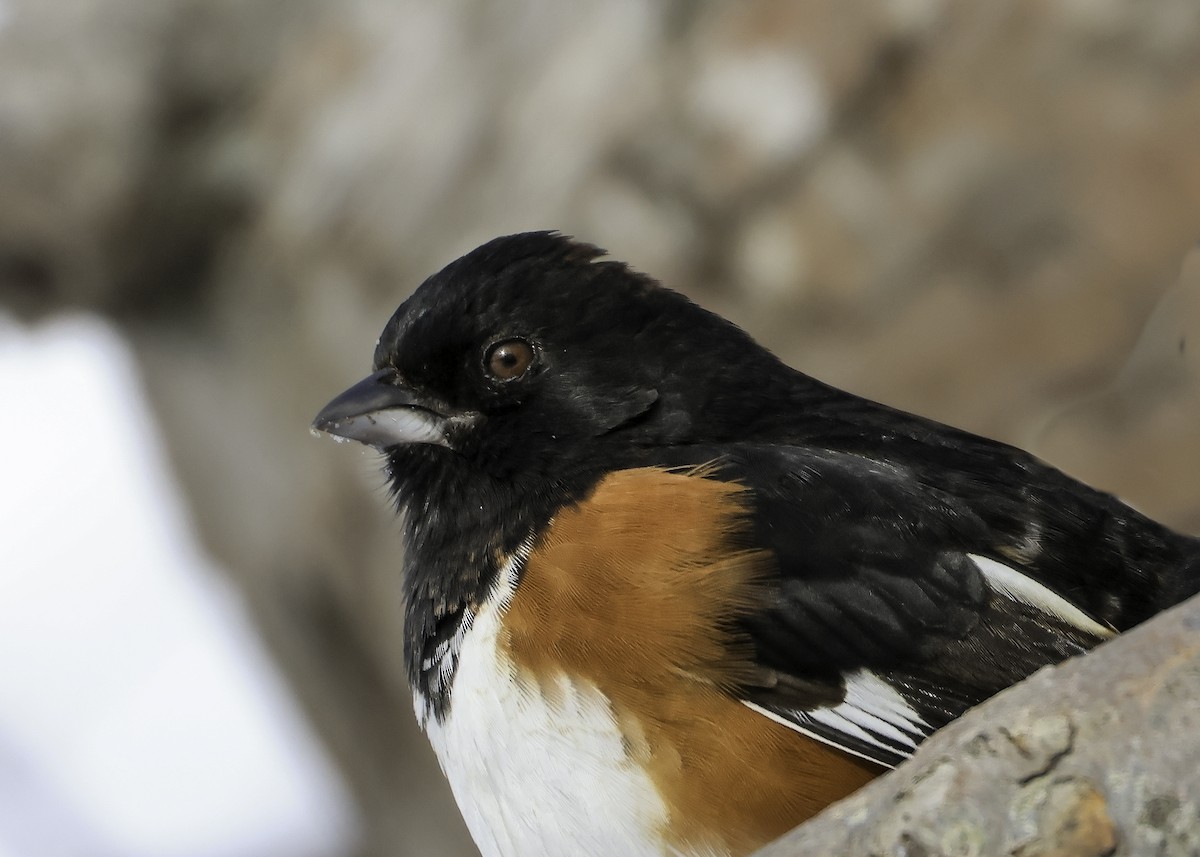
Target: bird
{"points": [[666, 595]]}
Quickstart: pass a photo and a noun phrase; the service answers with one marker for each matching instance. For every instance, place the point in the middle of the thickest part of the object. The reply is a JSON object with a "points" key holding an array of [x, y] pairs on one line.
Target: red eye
{"points": [[509, 360]]}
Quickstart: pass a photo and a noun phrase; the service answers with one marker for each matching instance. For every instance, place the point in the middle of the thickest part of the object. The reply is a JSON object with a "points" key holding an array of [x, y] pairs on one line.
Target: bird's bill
{"points": [[382, 412]]}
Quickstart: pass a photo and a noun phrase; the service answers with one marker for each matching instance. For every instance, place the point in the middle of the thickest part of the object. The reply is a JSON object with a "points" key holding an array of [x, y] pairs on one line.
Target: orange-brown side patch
{"points": [[635, 590]]}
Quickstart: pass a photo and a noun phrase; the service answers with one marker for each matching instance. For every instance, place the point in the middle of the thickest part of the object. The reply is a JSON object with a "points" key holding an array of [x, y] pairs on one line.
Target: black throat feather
{"points": [[462, 525]]}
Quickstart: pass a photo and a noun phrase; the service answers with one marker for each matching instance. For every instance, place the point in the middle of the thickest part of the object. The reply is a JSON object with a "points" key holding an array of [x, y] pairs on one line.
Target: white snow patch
{"points": [[138, 712]]}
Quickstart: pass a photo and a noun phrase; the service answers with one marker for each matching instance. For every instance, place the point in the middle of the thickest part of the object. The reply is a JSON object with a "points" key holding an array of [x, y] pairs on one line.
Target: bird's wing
{"points": [[888, 612]]}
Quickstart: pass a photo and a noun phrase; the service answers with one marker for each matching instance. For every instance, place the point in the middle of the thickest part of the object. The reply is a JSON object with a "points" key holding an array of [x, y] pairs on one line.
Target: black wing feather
{"points": [[876, 602]]}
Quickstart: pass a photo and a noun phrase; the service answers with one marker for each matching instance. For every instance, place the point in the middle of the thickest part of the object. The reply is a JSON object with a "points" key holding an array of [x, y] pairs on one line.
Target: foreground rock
{"points": [[1098, 756]]}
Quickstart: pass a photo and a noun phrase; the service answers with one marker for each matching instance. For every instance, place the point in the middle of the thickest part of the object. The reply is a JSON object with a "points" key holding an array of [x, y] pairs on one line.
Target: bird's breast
{"points": [[590, 713], [540, 769]]}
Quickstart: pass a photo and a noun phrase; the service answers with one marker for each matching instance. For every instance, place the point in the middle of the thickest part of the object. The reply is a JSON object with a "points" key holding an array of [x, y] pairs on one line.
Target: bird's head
{"points": [[532, 350]]}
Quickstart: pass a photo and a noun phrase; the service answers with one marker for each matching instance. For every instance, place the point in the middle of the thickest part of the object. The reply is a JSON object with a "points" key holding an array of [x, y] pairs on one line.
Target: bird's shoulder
{"points": [[833, 593]]}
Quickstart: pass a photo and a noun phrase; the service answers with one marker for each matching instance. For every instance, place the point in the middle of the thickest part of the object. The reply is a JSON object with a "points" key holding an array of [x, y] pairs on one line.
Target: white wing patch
{"points": [[1016, 586], [873, 713]]}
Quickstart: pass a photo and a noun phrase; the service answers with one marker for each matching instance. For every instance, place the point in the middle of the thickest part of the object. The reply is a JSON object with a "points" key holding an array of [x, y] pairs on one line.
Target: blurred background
{"points": [[208, 209]]}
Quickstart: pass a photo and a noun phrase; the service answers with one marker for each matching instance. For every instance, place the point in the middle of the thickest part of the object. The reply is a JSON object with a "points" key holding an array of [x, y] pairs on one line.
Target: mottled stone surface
{"points": [[1099, 756], [974, 211]]}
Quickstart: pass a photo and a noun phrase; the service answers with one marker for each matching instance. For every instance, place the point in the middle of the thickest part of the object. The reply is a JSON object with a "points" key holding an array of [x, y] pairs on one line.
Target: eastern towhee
{"points": [[667, 595]]}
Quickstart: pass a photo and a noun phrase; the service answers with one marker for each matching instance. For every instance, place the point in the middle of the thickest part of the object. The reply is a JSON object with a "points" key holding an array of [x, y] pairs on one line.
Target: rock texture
{"points": [[1098, 757], [974, 211]]}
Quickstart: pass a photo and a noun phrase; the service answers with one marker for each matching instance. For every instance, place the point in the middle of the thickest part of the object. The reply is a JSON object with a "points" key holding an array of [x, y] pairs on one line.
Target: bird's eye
{"points": [[509, 360]]}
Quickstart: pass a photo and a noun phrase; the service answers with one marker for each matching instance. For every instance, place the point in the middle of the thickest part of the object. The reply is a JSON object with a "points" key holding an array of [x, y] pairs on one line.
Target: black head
{"points": [[506, 386], [531, 351]]}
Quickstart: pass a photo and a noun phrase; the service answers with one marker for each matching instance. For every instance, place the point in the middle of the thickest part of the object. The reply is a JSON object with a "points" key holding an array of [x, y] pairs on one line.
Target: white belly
{"points": [[539, 775]]}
